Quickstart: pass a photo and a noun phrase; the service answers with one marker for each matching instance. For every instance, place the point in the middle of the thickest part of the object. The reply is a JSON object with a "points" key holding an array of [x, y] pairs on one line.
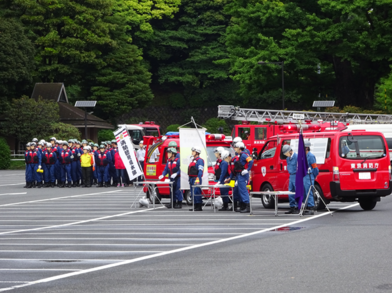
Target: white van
{"points": [[135, 132], [385, 129]]}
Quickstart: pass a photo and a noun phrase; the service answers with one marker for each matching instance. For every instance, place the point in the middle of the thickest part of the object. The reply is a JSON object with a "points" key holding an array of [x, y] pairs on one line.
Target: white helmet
{"points": [[196, 149], [219, 150], [286, 148], [218, 202], [86, 148], [41, 143], [240, 145], [48, 145], [225, 154], [237, 139], [144, 202]]}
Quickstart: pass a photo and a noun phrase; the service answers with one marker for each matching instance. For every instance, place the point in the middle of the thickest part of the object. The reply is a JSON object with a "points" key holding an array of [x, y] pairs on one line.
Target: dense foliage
{"points": [[195, 53], [105, 135], [5, 154], [27, 118], [63, 131]]}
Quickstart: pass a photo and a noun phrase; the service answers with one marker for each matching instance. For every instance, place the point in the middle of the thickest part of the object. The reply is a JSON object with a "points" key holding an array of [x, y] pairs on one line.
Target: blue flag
{"points": [[301, 172]]}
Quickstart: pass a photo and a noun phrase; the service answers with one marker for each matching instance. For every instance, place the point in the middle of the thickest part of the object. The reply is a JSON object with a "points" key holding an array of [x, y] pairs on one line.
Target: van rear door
{"points": [[363, 162]]}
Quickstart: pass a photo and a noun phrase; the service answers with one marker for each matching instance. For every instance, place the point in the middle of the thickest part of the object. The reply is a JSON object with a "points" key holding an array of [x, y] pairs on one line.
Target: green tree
{"points": [[5, 154], [216, 125], [68, 35], [337, 48], [182, 52], [16, 59], [105, 134], [122, 83], [63, 131], [26, 118]]}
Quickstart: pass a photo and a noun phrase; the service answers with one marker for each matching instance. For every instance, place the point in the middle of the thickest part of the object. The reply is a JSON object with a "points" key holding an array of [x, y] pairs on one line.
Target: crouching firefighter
{"points": [[173, 170], [195, 173], [242, 167]]}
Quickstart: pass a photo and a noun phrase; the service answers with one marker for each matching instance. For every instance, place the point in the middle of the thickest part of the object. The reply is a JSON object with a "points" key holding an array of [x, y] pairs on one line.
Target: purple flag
{"points": [[302, 171]]}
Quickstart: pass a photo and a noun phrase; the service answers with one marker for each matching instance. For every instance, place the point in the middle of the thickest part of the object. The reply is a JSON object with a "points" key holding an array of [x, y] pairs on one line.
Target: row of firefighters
{"points": [[73, 163]]}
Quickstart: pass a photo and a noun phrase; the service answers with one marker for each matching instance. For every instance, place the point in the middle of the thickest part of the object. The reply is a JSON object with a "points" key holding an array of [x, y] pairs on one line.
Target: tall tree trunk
{"points": [[345, 89]]}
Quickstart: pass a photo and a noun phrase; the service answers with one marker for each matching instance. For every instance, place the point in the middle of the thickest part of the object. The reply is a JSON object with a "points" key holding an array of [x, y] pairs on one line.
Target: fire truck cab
{"points": [[153, 170], [354, 166]]}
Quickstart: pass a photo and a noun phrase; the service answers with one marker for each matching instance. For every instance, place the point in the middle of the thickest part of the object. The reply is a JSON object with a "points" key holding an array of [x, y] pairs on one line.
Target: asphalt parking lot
{"points": [[90, 240]]}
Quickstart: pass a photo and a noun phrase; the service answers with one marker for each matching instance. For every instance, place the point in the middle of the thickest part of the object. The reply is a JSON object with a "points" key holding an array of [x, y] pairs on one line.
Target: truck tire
{"points": [[318, 204], [267, 200], [367, 204], [188, 197]]}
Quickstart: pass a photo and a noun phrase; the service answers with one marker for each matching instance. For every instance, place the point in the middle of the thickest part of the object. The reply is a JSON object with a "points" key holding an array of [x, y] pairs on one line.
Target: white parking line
{"points": [[84, 252], [13, 184], [55, 198], [13, 193], [66, 270], [108, 266], [74, 223]]}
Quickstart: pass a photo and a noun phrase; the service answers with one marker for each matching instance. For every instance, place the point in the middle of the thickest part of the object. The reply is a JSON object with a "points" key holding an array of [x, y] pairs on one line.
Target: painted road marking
{"points": [[108, 266], [77, 223], [55, 198]]}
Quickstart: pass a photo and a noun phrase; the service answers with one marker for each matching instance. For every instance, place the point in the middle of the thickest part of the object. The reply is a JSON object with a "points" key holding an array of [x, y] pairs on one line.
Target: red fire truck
{"points": [[355, 167], [268, 122], [363, 175], [153, 170]]}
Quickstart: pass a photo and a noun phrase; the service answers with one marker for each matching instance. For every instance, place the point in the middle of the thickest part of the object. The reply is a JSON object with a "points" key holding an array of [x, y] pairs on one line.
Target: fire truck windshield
{"points": [[211, 155], [359, 147], [136, 136]]}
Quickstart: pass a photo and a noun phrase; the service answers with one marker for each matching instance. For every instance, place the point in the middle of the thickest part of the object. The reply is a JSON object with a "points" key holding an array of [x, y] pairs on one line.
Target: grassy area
{"points": [[17, 165]]}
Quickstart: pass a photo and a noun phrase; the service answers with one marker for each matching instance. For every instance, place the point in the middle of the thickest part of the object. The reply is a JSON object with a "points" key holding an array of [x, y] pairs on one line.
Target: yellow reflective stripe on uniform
{"points": [[248, 159]]}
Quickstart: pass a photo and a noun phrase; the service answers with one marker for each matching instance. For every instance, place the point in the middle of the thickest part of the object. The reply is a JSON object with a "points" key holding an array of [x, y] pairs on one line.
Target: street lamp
{"points": [[281, 63], [85, 105]]}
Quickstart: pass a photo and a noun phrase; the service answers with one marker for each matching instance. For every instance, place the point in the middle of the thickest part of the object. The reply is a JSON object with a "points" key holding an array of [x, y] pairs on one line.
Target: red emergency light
{"points": [[147, 122], [295, 127], [245, 122], [289, 127], [215, 136]]}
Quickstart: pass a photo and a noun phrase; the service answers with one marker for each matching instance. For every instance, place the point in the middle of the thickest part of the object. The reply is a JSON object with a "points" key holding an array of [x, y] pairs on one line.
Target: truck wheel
{"points": [[367, 204], [318, 204], [188, 197], [267, 200]]}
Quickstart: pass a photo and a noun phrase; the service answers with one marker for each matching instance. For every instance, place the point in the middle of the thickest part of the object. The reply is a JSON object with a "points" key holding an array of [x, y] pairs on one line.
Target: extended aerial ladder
{"points": [[283, 116]]}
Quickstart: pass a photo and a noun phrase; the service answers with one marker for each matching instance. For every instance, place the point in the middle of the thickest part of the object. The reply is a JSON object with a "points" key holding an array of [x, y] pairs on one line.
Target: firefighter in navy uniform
{"points": [[195, 173], [49, 159], [313, 171], [292, 164], [79, 153], [65, 166], [224, 175], [34, 163], [236, 195], [173, 170], [40, 175], [242, 167], [102, 160], [27, 171], [112, 168]]}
